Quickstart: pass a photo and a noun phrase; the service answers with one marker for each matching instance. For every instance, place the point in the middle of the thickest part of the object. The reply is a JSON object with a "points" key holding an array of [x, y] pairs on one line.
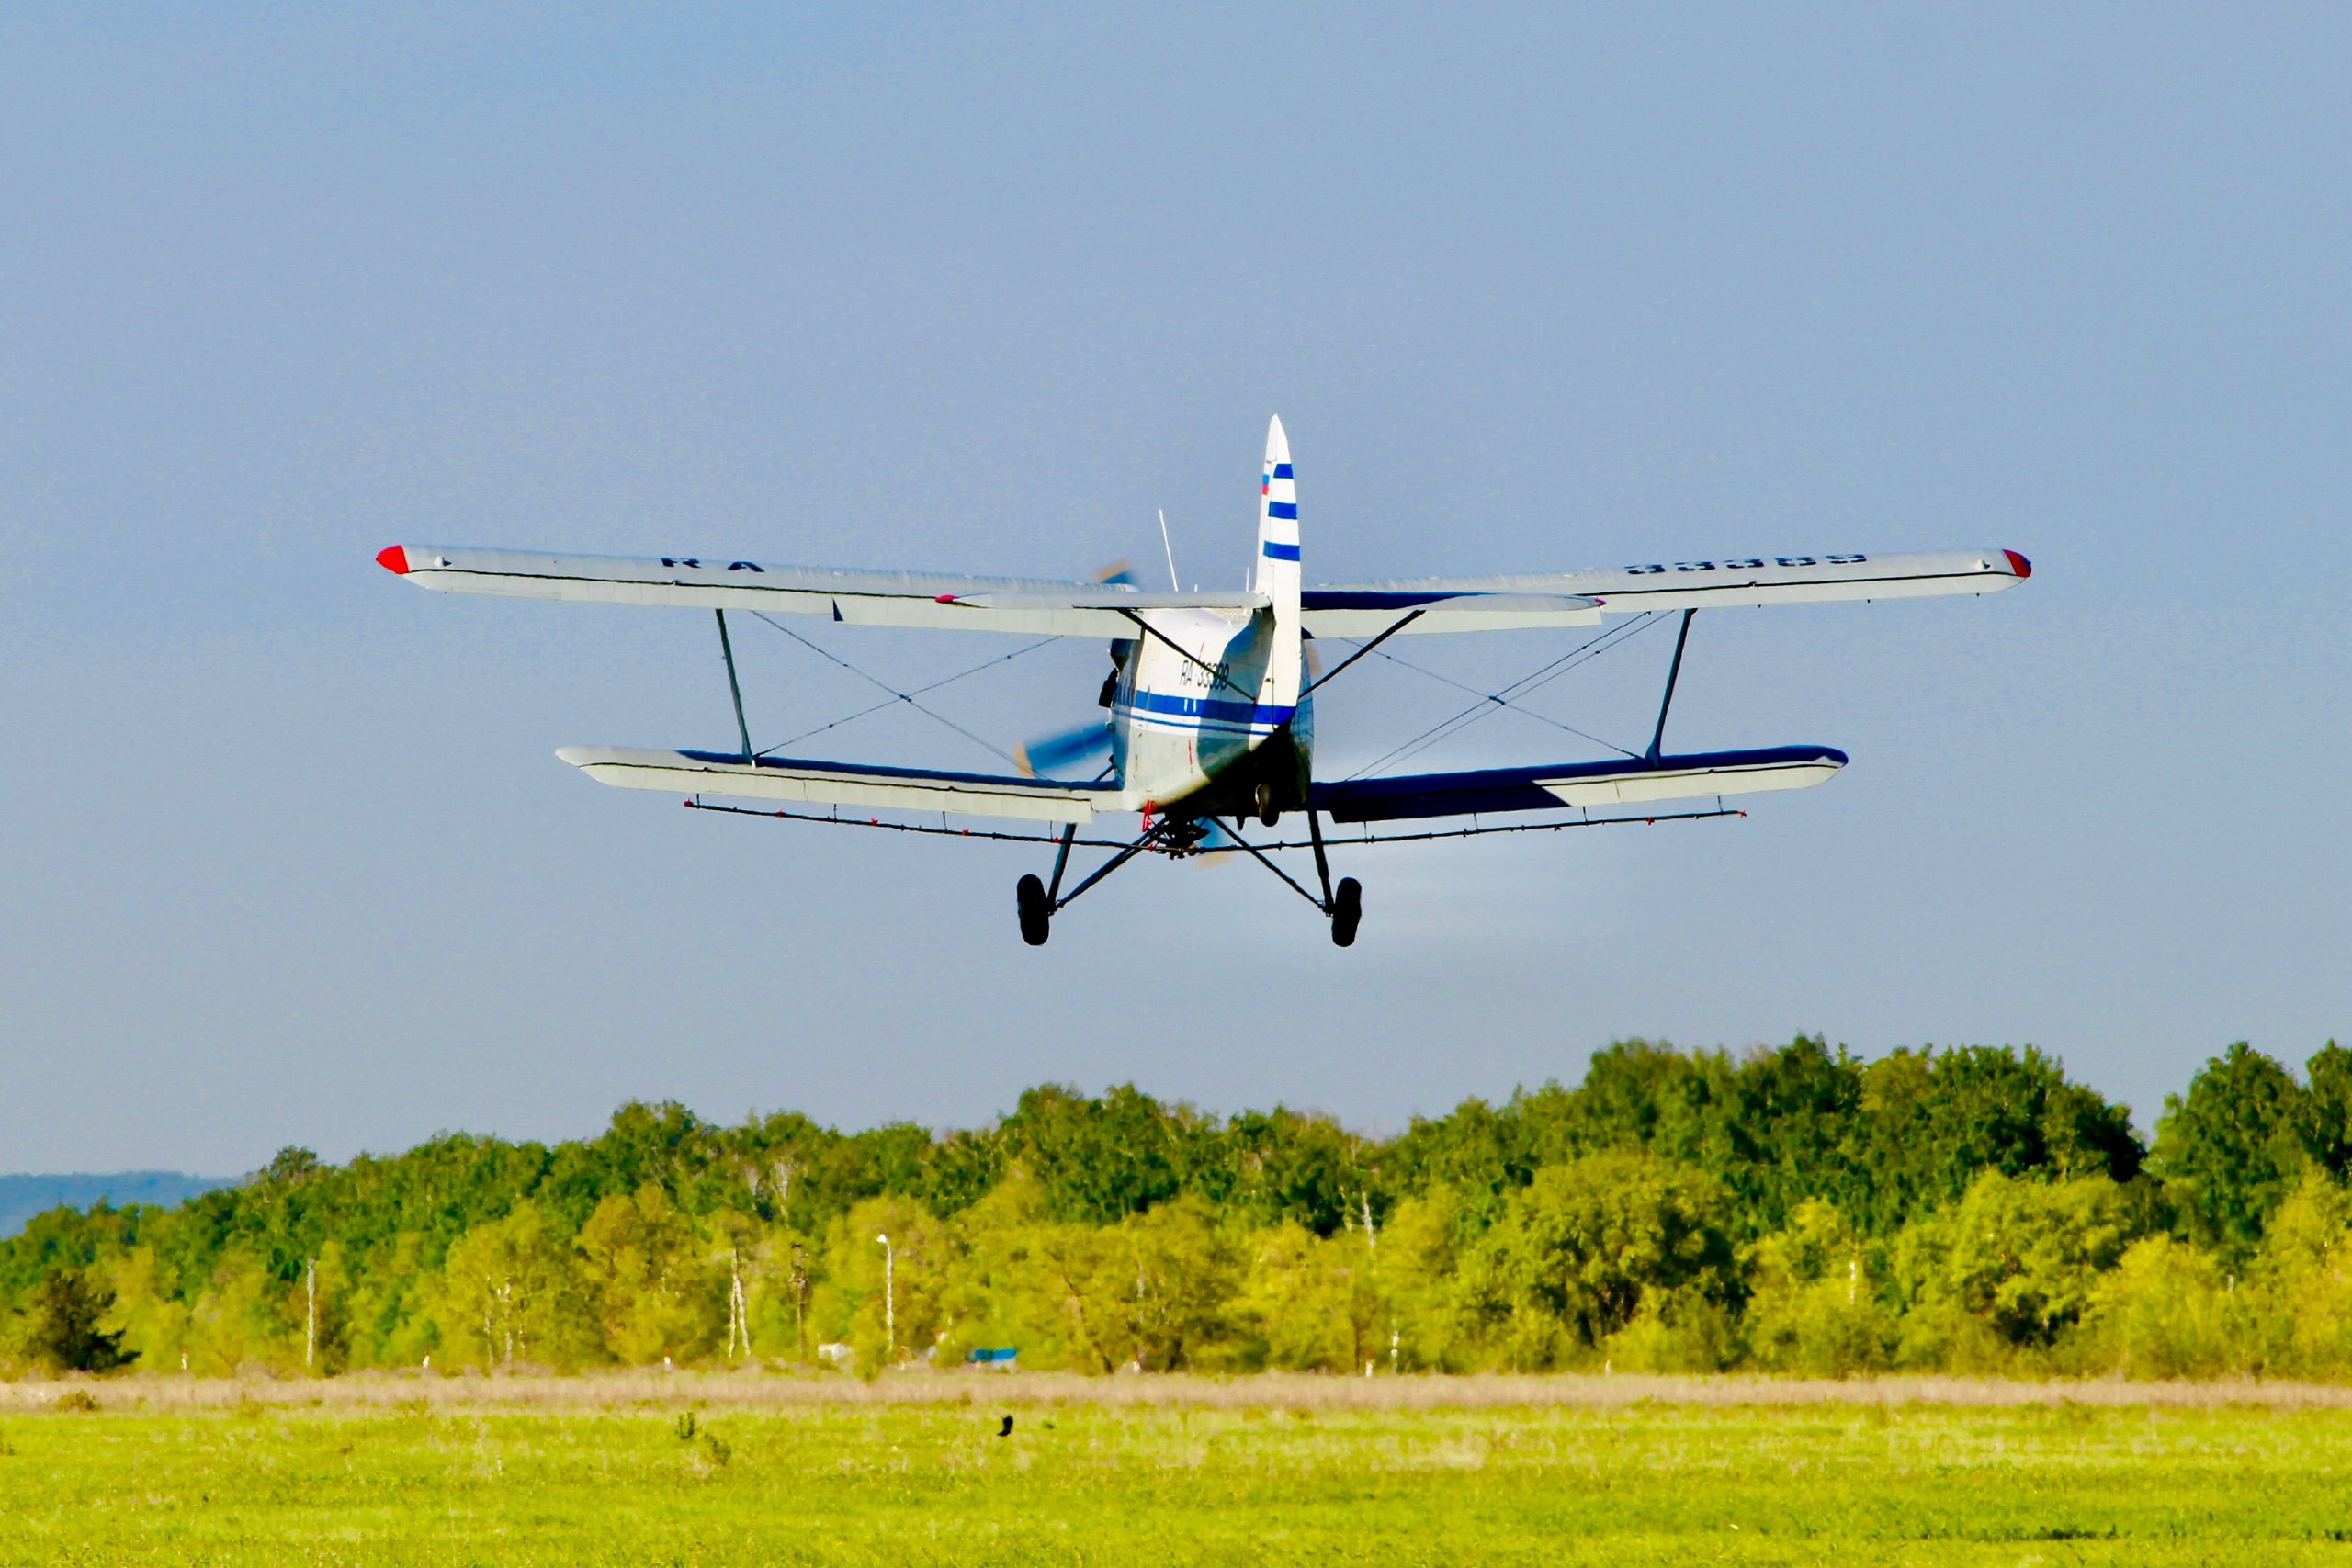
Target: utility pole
{"points": [[799, 1302], [739, 1322], [889, 1302], [311, 1311]]}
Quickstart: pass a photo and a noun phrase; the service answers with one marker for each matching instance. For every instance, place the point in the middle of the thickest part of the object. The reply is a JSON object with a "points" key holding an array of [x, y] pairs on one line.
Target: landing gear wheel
{"points": [[1347, 911], [1037, 920], [1269, 814]]}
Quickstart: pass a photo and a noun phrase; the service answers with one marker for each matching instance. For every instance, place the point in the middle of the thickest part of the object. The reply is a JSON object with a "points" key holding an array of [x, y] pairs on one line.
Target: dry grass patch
{"points": [[1297, 1396]]}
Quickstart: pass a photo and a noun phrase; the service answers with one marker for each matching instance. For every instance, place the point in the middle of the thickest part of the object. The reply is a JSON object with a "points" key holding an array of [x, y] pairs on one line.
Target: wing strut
{"points": [[1322, 866], [1061, 863], [1673, 674], [735, 690]]}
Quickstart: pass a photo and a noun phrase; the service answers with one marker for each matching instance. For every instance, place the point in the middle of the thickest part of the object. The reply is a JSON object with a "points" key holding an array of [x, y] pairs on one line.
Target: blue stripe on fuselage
{"points": [[1219, 710], [1281, 552], [1282, 509]]}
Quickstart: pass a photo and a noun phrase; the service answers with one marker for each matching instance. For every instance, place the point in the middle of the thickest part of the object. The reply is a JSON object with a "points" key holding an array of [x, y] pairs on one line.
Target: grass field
{"points": [[1278, 1471]]}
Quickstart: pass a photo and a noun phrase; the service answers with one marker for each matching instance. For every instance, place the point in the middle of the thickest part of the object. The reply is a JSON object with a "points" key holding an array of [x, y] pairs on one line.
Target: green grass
{"points": [[1090, 1484]]}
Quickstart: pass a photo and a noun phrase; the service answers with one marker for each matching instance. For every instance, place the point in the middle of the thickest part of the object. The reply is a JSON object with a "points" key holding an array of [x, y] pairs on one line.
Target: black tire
{"points": [[1269, 814], [1347, 911], [1037, 920]]}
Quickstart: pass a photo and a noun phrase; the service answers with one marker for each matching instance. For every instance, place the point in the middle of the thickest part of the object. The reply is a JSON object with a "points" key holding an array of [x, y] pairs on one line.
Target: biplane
{"points": [[1208, 707]]}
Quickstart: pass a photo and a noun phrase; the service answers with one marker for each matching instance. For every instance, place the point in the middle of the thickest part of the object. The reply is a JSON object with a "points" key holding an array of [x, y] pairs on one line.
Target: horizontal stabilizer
{"points": [[1628, 782], [841, 784]]}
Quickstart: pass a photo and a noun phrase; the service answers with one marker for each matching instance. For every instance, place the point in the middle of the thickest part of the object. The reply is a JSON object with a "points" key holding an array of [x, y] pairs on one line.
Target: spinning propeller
{"points": [[1070, 747], [1065, 750]]}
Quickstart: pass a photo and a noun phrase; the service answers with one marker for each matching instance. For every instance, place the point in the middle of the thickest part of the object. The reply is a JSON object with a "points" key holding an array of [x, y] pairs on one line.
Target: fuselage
{"points": [[1195, 726], [1209, 712]]}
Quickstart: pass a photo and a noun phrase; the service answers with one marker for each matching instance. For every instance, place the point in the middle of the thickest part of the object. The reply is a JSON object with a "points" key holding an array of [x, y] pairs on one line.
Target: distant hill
{"points": [[22, 1197]]}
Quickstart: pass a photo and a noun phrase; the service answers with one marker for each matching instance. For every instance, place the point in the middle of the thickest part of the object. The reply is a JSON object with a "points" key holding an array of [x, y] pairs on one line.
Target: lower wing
{"points": [[1631, 781], [841, 784]]}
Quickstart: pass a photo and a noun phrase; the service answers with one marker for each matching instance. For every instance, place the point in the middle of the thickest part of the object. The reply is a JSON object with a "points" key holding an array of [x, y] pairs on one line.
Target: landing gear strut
{"points": [[1344, 903], [1037, 901]]}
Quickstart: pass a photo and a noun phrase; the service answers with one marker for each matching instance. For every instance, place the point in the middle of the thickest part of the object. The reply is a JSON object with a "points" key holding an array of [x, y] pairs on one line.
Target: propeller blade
{"points": [[1051, 751]]}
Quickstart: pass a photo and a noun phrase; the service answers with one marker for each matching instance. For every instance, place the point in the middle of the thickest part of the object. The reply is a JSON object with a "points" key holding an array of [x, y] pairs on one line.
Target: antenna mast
{"points": [[1173, 586]]}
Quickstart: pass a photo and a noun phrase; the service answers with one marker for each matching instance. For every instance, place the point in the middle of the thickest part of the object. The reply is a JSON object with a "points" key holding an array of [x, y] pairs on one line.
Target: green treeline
{"points": [[1797, 1209]]}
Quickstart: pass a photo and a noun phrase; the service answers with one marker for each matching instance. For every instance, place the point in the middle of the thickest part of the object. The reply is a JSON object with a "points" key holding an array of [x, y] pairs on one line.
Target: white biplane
{"points": [[1210, 697]]}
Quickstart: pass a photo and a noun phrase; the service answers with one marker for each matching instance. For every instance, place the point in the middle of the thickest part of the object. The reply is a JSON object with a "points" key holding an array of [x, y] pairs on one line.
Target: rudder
{"points": [[1277, 568]]}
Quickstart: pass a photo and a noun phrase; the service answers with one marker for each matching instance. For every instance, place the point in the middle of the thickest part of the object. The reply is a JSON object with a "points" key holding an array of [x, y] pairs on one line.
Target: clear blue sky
{"points": [[286, 858]]}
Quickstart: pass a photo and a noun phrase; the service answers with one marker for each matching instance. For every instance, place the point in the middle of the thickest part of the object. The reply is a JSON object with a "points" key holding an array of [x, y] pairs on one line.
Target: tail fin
{"points": [[1277, 572]]}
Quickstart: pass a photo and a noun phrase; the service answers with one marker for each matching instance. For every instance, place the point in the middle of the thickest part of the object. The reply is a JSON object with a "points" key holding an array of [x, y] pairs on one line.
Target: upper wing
{"points": [[1042, 607], [1629, 782], [842, 783], [864, 598], [1038, 607], [1361, 609], [1438, 607]]}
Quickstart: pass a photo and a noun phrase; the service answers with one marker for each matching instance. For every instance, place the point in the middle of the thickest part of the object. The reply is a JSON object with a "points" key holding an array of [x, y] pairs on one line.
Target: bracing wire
{"points": [[853, 718], [1489, 702], [895, 699], [1506, 700], [1514, 707], [906, 698]]}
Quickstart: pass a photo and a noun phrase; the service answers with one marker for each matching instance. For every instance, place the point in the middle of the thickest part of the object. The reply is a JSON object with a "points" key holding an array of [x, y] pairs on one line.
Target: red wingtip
{"points": [[393, 558], [2019, 564]]}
